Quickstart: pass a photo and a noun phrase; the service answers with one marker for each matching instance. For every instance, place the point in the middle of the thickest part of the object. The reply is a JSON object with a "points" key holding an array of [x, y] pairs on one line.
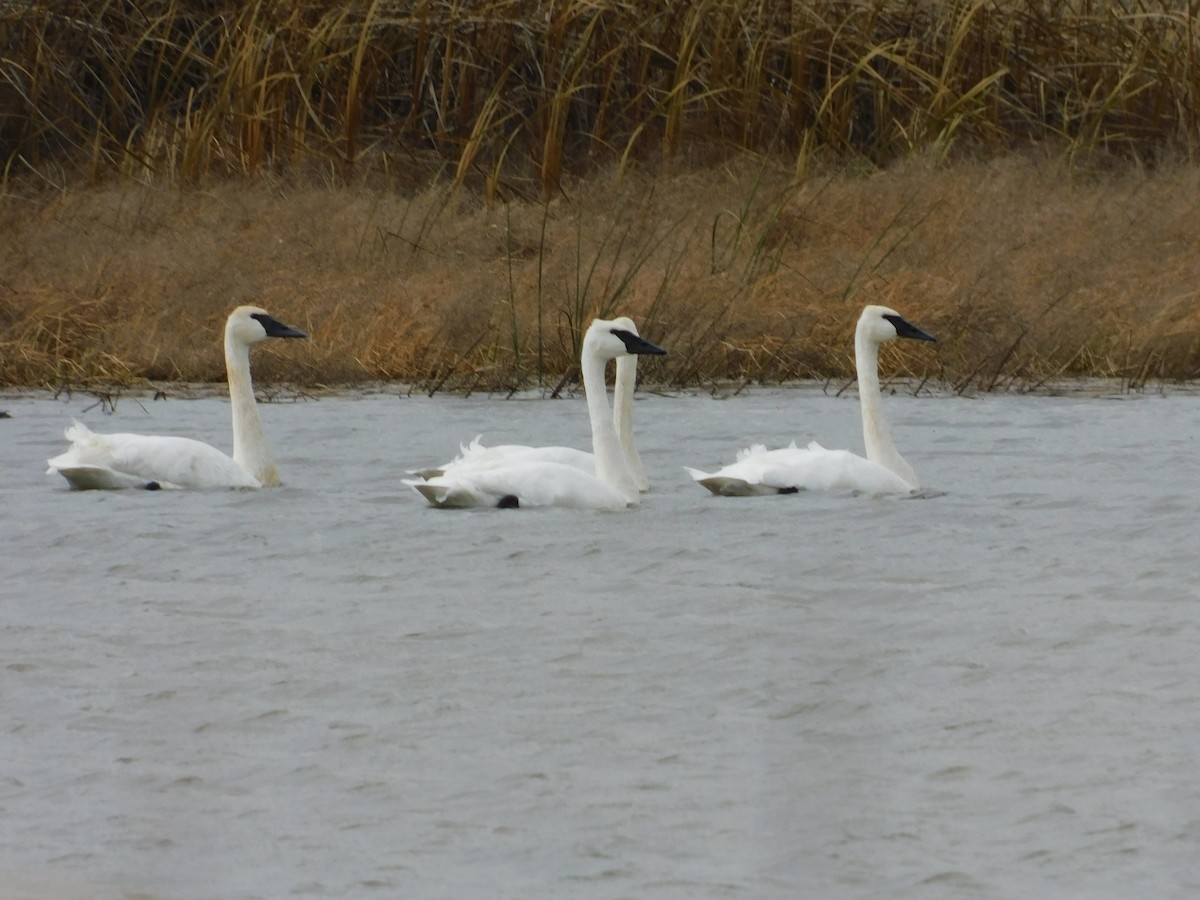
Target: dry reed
{"points": [[1026, 276], [445, 192], [507, 95]]}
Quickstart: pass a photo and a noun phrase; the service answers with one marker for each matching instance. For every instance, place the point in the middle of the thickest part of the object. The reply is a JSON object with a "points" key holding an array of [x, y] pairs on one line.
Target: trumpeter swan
{"points": [[762, 471], [110, 461], [523, 481], [475, 454]]}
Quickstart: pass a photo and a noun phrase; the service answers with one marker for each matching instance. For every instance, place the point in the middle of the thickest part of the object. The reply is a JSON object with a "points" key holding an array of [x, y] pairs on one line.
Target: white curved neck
{"points": [[876, 436], [623, 418], [249, 441], [611, 467]]}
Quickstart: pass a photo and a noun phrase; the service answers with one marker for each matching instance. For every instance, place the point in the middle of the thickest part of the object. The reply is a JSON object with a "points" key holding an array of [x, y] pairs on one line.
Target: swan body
{"points": [[114, 461], [791, 469], [517, 476], [523, 483], [475, 455], [758, 470]]}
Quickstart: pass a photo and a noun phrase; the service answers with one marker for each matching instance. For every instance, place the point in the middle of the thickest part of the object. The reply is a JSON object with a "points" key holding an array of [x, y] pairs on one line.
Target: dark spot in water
{"points": [[153, 486], [509, 501], [789, 490]]}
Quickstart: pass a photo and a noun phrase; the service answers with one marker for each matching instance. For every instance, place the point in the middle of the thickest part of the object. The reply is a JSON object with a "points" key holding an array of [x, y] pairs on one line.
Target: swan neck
{"points": [[611, 467], [877, 437], [250, 449], [623, 389]]}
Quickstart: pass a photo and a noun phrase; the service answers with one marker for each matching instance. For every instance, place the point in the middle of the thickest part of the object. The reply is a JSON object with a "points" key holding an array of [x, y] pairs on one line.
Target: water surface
{"points": [[331, 690]]}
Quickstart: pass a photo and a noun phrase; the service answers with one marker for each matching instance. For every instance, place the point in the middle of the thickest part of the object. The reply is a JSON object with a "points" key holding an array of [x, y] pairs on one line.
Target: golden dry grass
{"points": [[1028, 271], [444, 192], [511, 95]]}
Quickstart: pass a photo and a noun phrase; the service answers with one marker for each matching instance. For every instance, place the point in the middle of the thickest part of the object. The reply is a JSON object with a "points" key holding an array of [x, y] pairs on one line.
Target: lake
{"points": [[332, 690]]}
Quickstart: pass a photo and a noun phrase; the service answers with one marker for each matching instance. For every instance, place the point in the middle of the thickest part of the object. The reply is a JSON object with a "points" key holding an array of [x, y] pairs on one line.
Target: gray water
{"points": [[331, 690]]}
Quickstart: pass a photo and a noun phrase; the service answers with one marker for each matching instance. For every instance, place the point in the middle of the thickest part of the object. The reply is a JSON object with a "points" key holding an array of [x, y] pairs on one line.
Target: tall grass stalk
{"points": [[530, 93], [129, 284]]}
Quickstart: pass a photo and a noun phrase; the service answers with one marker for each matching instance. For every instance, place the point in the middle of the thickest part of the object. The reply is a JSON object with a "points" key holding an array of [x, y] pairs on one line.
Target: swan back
{"points": [[520, 483]]}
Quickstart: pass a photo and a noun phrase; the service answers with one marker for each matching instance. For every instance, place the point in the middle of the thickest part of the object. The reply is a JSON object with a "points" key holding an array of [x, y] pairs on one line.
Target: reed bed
{"points": [[511, 95], [445, 192], [1026, 275]]}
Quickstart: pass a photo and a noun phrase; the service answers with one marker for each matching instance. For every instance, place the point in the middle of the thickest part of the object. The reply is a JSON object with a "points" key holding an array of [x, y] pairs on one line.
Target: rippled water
{"points": [[331, 690]]}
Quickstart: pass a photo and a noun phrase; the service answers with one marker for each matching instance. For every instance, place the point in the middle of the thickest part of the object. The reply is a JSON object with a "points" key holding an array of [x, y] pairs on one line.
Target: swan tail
{"points": [[87, 448], [751, 451], [444, 496], [78, 433], [724, 486], [470, 448], [84, 463], [98, 478], [427, 473]]}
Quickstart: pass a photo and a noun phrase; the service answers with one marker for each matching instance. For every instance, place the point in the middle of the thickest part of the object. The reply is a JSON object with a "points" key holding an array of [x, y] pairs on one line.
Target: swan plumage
{"points": [[476, 455], [537, 476], [523, 483], [113, 461], [759, 471]]}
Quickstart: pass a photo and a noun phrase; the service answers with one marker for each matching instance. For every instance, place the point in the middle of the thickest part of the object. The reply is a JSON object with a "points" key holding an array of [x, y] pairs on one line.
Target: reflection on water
{"points": [[331, 690]]}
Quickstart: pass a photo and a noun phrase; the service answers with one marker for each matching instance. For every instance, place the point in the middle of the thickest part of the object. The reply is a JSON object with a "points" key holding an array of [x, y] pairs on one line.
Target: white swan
{"points": [[475, 455], [884, 471], [524, 480], [111, 461]]}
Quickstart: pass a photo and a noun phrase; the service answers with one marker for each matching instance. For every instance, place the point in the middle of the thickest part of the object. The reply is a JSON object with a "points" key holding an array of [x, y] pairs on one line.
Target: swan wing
{"points": [[788, 469], [815, 468], [451, 493], [503, 454], [476, 456], [566, 456], [138, 460], [730, 485], [521, 484], [756, 472], [98, 478]]}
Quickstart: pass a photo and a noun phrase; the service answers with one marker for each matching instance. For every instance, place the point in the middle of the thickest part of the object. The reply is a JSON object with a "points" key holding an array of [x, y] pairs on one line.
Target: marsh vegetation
{"points": [[445, 193]]}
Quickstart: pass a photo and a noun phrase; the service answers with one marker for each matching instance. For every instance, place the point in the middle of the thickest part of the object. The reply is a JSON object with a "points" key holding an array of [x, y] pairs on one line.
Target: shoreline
{"points": [[744, 273], [1098, 388]]}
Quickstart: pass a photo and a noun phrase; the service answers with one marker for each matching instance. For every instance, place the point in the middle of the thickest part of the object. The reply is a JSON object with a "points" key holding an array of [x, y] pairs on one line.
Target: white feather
{"points": [[113, 461], [552, 476], [758, 470], [476, 456]]}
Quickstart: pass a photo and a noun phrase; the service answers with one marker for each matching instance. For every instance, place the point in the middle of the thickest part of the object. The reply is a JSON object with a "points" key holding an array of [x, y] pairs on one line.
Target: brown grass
{"points": [[446, 191], [1026, 270], [510, 96]]}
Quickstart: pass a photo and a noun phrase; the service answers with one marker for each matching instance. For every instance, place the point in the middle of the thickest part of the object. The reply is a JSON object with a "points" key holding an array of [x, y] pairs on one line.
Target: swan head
{"points": [[613, 338], [250, 324], [881, 323], [626, 324]]}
